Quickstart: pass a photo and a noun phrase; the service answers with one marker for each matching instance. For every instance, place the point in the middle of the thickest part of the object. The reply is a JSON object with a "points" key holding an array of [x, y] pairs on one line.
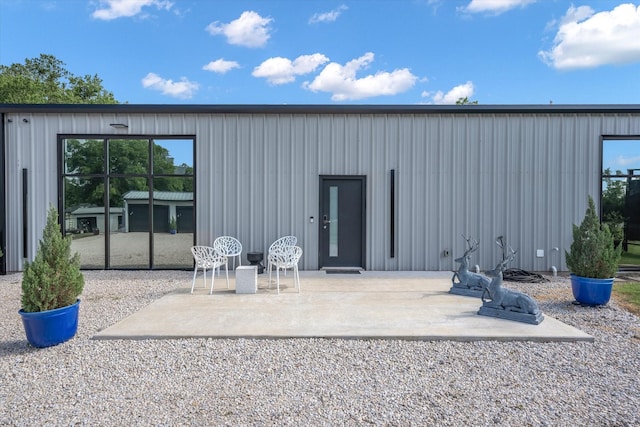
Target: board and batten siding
{"points": [[524, 176]]}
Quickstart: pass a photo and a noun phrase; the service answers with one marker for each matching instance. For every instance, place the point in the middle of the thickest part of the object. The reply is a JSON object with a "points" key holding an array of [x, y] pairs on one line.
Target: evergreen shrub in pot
{"points": [[593, 259], [51, 285]]}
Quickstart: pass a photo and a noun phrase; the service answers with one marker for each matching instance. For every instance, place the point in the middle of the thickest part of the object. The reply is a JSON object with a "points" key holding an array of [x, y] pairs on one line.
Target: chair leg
{"points": [[297, 276], [204, 277], [193, 282], [278, 279], [226, 269], [213, 276]]}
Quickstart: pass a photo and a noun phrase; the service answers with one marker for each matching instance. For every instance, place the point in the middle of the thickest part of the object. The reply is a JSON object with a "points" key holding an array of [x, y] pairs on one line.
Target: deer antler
{"points": [[505, 259], [508, 259], [472, 246]]}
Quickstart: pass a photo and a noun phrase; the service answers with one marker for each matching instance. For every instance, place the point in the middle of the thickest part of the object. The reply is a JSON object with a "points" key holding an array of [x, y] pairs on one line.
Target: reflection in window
{"points": [[129, 156], [173, 222], [117, 232], [621, 195], [83, 156], [84, 219], [129, 242], [173, 157]]}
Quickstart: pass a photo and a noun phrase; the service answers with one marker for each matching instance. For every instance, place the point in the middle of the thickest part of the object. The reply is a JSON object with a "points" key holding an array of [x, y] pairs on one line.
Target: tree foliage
{"points": [[128, 165], [593, 253], [45, 80], [466, 101], [614, 195], [53, 280]]}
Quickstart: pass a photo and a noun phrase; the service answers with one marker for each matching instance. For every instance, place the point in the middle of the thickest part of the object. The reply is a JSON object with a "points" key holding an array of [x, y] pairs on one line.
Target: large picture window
{"points": [[621, 195], [129, 202]]}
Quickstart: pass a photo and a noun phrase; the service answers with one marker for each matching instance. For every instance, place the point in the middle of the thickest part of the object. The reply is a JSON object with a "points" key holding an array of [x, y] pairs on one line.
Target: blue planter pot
{"points": [[51, 327], [590, 291]]}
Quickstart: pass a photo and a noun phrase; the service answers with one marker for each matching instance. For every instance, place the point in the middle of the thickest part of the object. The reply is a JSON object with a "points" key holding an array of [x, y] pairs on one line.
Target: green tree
{"points": [[45, 80], [466, 101], [593, 253], [614, 193], [53, 280], [85, 158]]}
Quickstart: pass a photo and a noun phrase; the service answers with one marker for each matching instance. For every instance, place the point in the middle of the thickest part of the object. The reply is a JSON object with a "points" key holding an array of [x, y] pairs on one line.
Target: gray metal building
{"points": [[372, 186]]}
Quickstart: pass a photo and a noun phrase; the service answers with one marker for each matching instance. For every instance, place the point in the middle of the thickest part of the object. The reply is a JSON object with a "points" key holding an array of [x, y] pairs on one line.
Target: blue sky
{"points": [[337, 52]]}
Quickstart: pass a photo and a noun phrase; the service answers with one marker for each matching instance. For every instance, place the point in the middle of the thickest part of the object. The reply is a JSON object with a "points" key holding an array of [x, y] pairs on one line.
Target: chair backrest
{"points": [[208, 257], [228, 245], [285, 256], [284, 241], [202, 255]]}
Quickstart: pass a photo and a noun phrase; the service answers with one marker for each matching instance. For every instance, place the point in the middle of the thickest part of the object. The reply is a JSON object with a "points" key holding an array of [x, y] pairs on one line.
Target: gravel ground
{"points": [[314, 381]]}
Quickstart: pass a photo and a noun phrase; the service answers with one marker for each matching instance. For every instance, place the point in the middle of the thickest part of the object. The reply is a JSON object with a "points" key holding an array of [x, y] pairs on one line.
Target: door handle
{"points": [[325, 221]]}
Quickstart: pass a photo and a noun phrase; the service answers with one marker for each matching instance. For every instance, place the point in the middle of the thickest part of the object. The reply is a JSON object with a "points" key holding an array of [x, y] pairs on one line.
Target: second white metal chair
{"points": [[283, 258], [279, 243]]}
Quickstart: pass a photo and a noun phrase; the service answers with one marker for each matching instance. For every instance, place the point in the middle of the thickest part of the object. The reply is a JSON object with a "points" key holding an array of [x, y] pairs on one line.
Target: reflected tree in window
{"points": [[113, 232], [614, 191], [620, 198]]}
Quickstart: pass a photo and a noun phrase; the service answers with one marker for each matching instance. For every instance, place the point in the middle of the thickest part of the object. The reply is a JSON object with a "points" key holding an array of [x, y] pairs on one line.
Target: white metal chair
{"points": [[205, 258], [283, 258], [281, 242], [229, 246]]}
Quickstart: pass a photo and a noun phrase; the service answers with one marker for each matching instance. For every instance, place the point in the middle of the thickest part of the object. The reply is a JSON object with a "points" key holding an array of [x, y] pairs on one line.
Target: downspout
{"points": [[3, 205]]}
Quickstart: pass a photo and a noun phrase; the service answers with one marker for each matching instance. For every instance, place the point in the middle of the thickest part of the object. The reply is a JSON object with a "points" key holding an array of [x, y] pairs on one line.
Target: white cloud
{"points": [[113, 9], [250, 30], [280, 70], [327, 16], [451, 97], [341, 80], [184, 89], [586, 39], [494, 6], [221, 66], [627, 161]]}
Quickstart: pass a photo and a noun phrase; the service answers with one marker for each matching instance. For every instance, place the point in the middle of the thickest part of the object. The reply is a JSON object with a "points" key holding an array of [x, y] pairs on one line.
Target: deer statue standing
{"points": [[507, 303], [468, 283]]}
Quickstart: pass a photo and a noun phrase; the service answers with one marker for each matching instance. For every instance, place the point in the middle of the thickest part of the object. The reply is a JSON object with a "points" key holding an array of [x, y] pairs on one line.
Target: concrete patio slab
{"points": [[371, 305]]}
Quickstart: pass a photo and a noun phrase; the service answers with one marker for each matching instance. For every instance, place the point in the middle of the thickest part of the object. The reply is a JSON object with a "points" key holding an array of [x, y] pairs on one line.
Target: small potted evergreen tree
{"points": [[593, 259], [173, 225], [51, 285]]}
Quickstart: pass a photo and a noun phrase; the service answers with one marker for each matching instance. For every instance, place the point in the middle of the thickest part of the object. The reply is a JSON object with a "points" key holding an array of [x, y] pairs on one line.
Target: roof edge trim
{"points": [[318, 109]]}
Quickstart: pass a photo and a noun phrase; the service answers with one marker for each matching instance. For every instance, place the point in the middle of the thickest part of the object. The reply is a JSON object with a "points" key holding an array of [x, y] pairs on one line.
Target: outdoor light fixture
{"points": [[119, 125]]}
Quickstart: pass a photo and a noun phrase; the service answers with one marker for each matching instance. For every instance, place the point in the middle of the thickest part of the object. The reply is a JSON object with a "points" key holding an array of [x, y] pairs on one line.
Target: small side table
{"points": [[246, 279], [255, 258]]}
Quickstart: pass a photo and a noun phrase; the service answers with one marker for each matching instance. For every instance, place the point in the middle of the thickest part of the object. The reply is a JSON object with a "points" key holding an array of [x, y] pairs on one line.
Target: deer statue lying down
{"points": [[507, 303], [467, 280]]}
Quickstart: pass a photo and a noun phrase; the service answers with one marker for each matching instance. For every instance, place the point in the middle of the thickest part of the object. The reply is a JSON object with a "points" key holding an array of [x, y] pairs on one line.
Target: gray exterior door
{"points": [[138, 218], [185, 219], [342, 221]]}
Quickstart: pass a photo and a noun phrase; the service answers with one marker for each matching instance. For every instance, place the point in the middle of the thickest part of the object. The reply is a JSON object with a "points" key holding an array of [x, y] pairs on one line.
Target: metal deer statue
{"points": [[465, 282], [507, 303]]}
